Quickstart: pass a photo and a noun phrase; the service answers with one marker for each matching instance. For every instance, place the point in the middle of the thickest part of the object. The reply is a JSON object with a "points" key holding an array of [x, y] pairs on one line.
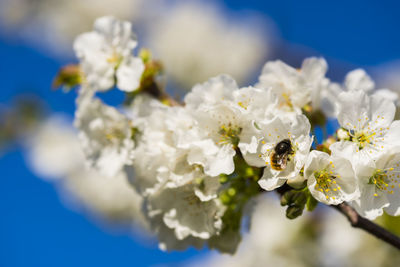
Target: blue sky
{"points": [[36, 229]]}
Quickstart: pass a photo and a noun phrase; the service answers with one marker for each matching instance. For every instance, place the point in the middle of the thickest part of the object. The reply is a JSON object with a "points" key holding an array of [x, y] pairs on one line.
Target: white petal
{"points": [[388, 94], [353, 105], [129, 74], [369, 206], [211, 92], [269, 182], [221, 162], [359, 80], [392, 135], [314, 69], [382, 111]]}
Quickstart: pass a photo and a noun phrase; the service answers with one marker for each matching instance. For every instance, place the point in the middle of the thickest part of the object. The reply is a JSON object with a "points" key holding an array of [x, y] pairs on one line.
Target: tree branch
{"points": [[359, 222]]}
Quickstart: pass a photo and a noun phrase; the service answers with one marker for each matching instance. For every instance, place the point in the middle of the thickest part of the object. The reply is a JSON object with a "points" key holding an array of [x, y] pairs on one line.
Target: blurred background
{"points": [[54, 212]]}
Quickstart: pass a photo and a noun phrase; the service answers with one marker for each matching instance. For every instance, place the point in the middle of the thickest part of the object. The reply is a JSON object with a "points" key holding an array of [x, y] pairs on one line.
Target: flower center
{"points": [[367, 132], [381, 181], [243, 104], [114, 135], [364, 139], [286, 100], [229, 134], [326, 183], [115, 59]]}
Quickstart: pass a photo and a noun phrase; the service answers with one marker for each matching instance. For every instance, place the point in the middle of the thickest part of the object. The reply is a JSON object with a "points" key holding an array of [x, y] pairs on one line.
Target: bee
{"points": [[279, 156]]}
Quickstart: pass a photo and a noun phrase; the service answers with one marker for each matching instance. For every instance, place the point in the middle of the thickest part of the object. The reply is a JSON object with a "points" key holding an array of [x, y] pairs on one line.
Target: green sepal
{"points": [[293, 212], [68, 77], [312, 203], [297, 200]]}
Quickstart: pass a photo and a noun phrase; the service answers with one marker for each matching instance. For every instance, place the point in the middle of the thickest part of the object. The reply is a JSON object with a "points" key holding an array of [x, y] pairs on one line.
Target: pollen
{"points": [[326, 183], [381, 180], [229, 134], [243, 105]]}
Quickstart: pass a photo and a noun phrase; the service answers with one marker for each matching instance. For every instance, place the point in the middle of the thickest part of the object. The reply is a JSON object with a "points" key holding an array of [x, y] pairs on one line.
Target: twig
{"points": [[359, 222]]}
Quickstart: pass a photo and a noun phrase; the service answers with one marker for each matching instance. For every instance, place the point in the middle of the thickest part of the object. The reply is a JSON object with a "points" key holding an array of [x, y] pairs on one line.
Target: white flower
{"points": [[296, 88], [164, 151], [379, 183], [162, 131], [209, 43], [56, 24], [55, 152], [167, 239], [330, 179], [53, 148], [105, 135], [358, 79], [368, 121], [224, 115], [106, 55], [185, 213], [284, 163], [389, 95], [181, 200], [111, 197], [211, 92]]}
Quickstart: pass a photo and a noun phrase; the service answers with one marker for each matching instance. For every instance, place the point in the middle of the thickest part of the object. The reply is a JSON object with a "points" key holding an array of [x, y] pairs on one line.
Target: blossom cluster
{"points": [[81, 188], [198, 163]]}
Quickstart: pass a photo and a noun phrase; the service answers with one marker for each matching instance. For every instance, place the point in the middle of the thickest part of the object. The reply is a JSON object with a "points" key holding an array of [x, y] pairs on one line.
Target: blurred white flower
{"points": [[111, 197], [337, 241], [358, 79], [53, 148], [196, 41], [105, 55], [53, 25], [105, 134], [271, 241], [274, 240], [54, 152]]}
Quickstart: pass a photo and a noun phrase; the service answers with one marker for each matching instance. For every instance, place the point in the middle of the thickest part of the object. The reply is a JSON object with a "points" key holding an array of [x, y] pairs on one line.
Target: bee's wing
{"points": [[282, 160]]}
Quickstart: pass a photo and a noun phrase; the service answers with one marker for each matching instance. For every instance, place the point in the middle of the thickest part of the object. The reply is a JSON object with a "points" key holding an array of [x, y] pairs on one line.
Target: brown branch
{"points": [[372, 228], [357, 221]]}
